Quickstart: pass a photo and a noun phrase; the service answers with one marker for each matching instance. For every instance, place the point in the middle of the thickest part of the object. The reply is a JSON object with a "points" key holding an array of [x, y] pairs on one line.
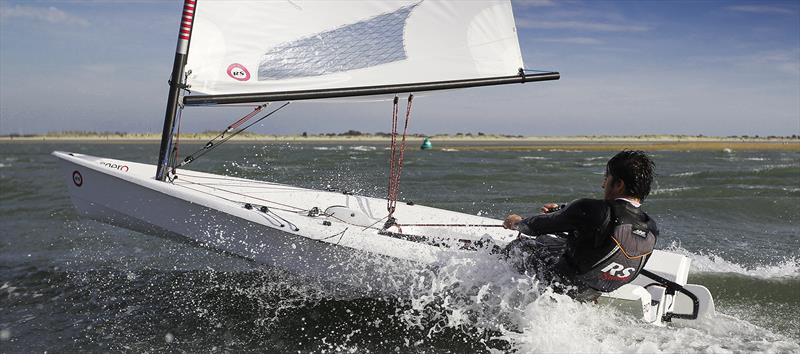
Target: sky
{"points": [[715, 68]]}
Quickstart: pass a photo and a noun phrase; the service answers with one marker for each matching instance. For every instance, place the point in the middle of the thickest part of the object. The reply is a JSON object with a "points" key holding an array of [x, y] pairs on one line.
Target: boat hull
{"points": [[337, 238]]}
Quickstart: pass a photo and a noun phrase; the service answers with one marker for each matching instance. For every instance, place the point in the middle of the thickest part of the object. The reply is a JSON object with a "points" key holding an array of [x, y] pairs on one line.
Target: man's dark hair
{"points": [[636, 169]]}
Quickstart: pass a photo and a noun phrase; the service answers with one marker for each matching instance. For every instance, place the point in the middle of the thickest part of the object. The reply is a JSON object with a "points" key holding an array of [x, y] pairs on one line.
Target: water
{"points": [[73, 285]]}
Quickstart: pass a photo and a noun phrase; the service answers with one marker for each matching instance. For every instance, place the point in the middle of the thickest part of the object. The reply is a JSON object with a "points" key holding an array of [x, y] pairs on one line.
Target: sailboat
{"points": [[260, 52]]}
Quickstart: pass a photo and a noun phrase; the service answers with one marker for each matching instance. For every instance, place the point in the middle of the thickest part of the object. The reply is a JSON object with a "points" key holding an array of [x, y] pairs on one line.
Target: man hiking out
{"points": [[591, 246]]}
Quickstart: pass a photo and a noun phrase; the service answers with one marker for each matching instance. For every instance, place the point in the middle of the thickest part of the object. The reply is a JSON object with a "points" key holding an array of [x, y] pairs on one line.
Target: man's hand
{"points": [[549, 208], [512, 221]]}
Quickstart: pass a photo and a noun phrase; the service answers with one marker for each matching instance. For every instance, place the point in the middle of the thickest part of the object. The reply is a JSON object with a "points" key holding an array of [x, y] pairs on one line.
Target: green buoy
{"points": [[426, 144]]}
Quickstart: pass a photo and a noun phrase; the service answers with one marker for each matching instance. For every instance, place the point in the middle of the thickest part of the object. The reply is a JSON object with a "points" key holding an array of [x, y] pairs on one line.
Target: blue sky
{"points": [[628, 67]]}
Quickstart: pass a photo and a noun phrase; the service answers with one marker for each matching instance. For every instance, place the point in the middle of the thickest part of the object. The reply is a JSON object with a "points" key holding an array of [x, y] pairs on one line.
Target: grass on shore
{"points": [[460, 141]]}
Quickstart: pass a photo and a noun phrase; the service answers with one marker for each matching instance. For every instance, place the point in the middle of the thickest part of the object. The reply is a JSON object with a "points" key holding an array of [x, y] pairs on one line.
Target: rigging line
{"points": [[340, 234], [240, 194], [393, 150], [236, 179], [261, 188], [243, 195], [210, 145], [229, 199], [396, 157], [174, 156], [452, 225]]}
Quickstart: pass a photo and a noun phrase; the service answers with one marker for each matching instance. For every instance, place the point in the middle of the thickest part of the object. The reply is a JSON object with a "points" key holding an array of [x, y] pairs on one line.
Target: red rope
{"points": [[245, 118], [390, 206], [395, 157]]}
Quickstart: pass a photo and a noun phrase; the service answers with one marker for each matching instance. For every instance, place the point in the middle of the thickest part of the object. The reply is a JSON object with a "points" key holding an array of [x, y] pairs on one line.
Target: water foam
{"points": [[708, 262], [481, 292], [685, 174], [672, 190], [328, 148]]}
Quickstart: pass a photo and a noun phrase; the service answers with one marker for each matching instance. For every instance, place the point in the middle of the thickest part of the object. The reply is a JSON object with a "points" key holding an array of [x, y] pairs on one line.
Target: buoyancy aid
{"points": [[633, 242]]}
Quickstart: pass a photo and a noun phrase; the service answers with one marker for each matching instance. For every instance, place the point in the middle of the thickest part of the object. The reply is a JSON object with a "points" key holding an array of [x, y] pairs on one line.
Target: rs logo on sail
{"points": [[238, 72], [610, 271]]}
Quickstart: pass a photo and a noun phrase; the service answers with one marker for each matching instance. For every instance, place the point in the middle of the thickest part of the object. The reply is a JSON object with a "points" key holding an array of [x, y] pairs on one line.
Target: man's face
{"points": [[611, 189]]}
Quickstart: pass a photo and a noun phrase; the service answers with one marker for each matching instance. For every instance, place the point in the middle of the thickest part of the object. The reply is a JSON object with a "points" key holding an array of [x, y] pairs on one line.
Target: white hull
{"points": [[211, 211]]}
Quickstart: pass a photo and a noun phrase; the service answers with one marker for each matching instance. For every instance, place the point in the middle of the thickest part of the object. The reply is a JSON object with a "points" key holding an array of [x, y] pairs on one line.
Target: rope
{"points": [[451, 225], [396, 157], [174, 158], [212, 145]]}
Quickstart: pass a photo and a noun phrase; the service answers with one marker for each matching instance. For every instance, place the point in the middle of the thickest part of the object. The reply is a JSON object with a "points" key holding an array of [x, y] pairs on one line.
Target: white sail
{"points": [[240, 47]]}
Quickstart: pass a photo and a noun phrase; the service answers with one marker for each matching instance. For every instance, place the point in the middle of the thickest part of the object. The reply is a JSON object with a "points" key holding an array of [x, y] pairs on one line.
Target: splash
{"points": [[515, 312], [708, 262]]}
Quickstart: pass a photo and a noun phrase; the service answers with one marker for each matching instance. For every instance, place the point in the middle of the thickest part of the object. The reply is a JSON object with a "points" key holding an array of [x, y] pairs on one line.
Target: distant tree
{"points": [[305, 134], [481, 134]]}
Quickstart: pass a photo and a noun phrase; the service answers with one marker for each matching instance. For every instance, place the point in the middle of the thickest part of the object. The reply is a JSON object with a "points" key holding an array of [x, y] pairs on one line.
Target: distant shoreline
{"points": [[462, 142]]}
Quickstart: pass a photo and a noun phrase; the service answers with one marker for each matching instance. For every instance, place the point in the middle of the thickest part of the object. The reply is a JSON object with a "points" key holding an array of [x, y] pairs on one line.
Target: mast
{"points": [[175, 86]]}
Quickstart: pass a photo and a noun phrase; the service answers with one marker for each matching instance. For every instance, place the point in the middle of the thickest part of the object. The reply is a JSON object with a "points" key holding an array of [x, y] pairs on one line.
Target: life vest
{"points": [[633, 242]]}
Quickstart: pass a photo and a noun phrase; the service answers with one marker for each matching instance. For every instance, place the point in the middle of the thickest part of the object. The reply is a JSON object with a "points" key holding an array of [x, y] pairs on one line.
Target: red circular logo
{"points": [[77, 178], [238, 72]]}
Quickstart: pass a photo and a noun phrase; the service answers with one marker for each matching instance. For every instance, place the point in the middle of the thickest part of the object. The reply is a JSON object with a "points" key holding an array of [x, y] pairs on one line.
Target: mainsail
{"points": [[256, 51], [247, 51]]}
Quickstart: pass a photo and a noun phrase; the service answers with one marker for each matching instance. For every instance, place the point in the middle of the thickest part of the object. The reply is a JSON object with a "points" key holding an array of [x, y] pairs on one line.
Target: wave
{"points": [[363, 148], [2, 165], [533, 158], [672, 190], [685, 174], [708, 262], [449, 150], [563, 150], [328, 148], [767, 168]]}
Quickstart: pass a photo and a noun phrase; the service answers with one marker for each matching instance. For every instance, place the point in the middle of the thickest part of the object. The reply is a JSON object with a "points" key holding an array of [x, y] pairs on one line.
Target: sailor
{"points": [[590, 246]]}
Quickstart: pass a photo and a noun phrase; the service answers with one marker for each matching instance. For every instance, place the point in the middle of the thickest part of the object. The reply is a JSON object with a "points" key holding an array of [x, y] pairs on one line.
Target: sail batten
{"points": [[245, 48], [202, 100]]}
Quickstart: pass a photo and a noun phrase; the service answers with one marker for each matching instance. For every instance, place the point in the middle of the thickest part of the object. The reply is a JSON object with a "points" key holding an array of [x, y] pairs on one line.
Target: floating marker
{"points": [[426, 144]]}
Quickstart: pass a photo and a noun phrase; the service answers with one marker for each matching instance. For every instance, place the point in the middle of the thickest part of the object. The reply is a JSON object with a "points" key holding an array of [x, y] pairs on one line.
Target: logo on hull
{"points": [[123, 168], [77, 178]]}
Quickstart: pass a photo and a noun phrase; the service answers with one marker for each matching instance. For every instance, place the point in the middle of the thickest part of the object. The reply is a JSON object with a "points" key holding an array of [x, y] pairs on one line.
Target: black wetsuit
{"points": [[586, 229]]}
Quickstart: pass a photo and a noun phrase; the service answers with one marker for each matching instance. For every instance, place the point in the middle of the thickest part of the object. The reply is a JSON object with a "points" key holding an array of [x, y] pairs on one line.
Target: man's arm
{"points": [[576, 214]]}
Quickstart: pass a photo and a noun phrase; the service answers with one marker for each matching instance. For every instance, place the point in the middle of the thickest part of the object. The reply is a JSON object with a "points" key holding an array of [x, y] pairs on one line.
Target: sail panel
{"points": [[246, 47]]}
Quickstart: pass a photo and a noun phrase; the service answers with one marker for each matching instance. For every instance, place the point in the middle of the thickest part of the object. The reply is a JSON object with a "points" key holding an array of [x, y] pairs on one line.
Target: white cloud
{"points": [[48, 14], [762, 9], [573, 40], [581, 25]]}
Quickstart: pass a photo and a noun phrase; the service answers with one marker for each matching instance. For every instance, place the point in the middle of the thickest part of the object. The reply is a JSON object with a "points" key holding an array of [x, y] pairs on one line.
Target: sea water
{"points": [[68, 284]]}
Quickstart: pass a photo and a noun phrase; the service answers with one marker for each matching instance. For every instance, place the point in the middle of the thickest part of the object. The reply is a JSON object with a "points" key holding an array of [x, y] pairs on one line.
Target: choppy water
{"points": [[67, 284]]}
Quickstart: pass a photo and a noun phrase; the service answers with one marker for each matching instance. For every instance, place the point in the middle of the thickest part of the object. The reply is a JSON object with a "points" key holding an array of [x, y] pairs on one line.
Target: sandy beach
{"points": [[462, 141]]}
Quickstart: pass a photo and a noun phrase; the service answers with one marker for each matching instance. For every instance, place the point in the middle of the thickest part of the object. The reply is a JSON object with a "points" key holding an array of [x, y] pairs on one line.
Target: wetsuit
{"points": [[600, 246]]}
